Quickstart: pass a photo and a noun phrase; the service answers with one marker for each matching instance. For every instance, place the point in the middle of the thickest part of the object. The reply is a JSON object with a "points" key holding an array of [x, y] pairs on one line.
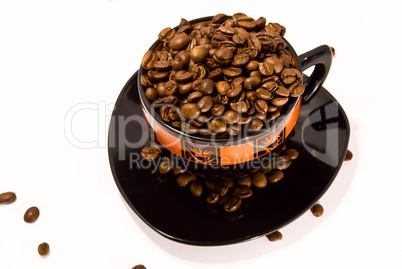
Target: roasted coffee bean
{"points": [[263, 93], [223, 87], [183, 76], [205, 103], [32, 214], [247, 23], [252, 82], [245, 181], [275, 236], [219, 18], [317, 210], [233, 129], [139, 266], [348, 156], [145, 81], [199, 54], [244, 119], [240, 59], [242, 192], [216, 74], [43, 249], [259, 179], [266, 69], [255, 125], [273, 115], [164, 113], [170, 87], [166, 34], [162, 66], [178, 171], [150, 153], [212, 198], [270, 86], [232, 204], [218, 110], [165, 166], [275, 63], [190, 111], [198, 71], [292, 153], [188, 128], [251, 95], [282, 91], [185, 179], [234, 91], [151, 94], [230, 117], [279, 101], [218, 126], [223, 56], [297, 91], [207, 86], [240, 106], [194, 96], [196, 188], [179, 41], [7, 198], [253, 65], [149, 60], [232, 72], [333, 50], [290, 75], [282, 162], [275, 176], [225, 185], [261, 106]]}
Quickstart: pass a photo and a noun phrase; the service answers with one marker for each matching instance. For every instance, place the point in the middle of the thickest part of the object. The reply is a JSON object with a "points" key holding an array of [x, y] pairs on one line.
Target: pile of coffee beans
{"points": [[224, 191], [220, 77]]}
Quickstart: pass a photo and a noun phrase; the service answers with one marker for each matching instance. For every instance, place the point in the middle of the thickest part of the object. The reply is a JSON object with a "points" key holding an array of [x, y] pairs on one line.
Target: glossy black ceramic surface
{"points": [[321, 136]]}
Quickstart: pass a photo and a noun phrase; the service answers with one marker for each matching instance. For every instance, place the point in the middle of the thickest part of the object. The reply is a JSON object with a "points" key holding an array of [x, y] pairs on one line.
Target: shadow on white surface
{"points": [[260, 247]]}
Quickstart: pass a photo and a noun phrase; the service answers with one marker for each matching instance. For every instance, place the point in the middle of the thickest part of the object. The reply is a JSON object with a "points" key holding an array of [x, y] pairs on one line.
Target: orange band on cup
{"points": [[226, 155]]}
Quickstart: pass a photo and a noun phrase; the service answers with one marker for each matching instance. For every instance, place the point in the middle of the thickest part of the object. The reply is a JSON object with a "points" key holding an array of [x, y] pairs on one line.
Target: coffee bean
{"points": [[151, 94], [43, 249], [242, 192], [219, 18], [207, 86], [266, 69], [282, 162], [32, 214], [218, 110], [235, 90], [198, 71], [245, 181], [240, 106], [199, 54], [162, 65], [139, 266], [259, 179], [178, 171], [190, 111], [183, 76], [165, 166], [297, 91], [185, 179], [252, 82], [205, 103], [196, 188], [317, 210], [149, 60], [261, 106], [179, 41], [223, 56], [232, 72], [230, 117], [275, 63], [348, 156], [275, 176], [290, 75], [232, 204], [212, 198], [194, 96], [279, 101], [7, 198], [275, 236], [292, 153], [188, 128], [150, 153], [218, 126], [255, 125], [263, 94], [282, 91]]}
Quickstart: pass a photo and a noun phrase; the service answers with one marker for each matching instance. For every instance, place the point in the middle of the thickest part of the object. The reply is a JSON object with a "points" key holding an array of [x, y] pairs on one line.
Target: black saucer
{"points": [[321, 136]]}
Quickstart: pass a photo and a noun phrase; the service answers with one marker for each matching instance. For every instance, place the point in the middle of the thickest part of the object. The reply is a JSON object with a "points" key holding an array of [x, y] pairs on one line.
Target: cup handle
{"points": [[321, 58]]}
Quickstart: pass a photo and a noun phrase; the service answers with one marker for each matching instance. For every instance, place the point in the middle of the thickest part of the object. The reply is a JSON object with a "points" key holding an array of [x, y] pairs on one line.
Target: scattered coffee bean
{"points": [[275, 236], [150, 153], [232, 204], [139, 266], [185, 179], [7, 197], [165, 166], [317, 210], [292, 153], [259, 179], [196, 188], [43, 249], [32, 214], [275, 176], [348, 156]]}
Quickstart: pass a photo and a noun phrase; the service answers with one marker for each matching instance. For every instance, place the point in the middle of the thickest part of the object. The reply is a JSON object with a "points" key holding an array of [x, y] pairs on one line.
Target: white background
{"points": [[55, 55]]}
